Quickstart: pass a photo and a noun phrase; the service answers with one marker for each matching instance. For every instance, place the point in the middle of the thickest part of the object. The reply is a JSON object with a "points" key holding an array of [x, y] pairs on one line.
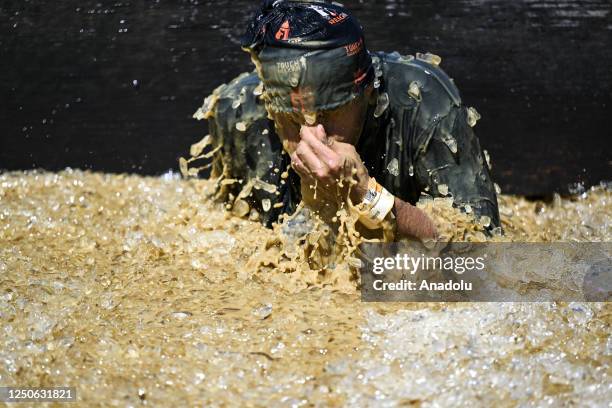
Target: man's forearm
{"points": [[413, 222]]}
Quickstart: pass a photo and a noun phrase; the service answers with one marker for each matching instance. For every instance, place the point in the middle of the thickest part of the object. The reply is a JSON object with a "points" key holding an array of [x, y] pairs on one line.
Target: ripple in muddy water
{"points": [[139, 290]]}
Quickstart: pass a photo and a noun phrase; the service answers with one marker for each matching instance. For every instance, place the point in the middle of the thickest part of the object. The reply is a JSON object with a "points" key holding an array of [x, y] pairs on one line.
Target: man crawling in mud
{"points": [[325, 121]]}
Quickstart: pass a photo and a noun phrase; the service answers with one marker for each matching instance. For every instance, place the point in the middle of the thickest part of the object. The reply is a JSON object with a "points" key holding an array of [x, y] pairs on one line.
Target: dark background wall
{"points": [[112, 85]]}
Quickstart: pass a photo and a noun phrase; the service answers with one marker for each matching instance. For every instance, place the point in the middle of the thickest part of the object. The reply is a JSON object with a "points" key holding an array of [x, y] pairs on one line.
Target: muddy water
{"points": [[140, 291]]}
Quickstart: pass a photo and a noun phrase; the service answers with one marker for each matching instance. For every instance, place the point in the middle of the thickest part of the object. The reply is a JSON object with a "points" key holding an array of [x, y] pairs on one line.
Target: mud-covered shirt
{"points": [[417, 140]]}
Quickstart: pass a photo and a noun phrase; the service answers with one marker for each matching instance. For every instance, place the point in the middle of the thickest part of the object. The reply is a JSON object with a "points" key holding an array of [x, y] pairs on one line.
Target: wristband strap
{"points": [[377, 204]]}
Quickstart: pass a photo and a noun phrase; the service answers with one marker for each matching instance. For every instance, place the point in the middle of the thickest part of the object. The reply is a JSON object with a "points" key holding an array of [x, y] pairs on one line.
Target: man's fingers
{"points": [[299, 167], [317, 138], [321, 150], [321, 133], [310, 159], [317, 131]]}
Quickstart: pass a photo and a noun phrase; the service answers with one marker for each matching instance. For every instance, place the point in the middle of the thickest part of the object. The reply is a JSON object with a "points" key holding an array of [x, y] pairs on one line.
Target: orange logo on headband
{"points": [[337, 18], [354, 48], [283, 31]]}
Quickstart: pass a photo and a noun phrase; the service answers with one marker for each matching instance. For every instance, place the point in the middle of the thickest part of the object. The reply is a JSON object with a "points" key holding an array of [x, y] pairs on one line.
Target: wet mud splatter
{"points": [[141, 290]]}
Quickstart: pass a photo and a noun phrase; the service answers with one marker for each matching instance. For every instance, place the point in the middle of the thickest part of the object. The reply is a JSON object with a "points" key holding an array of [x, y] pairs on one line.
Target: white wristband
{"points": [[377, 203]]}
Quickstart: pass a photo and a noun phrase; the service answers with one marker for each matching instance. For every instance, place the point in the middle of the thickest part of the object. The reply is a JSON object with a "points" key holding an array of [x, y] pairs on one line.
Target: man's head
{"points": [[313, 62]]}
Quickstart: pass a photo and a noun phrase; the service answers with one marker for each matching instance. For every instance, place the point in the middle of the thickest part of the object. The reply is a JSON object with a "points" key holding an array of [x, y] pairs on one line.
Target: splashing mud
{"points": [[140, 290]]}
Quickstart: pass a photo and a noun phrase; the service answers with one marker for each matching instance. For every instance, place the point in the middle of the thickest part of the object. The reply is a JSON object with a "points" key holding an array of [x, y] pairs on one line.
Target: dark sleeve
{"points": [[250, 160], [449, 161]]}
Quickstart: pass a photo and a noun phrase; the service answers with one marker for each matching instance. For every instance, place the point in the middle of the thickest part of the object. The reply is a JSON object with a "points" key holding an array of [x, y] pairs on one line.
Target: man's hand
{"points": [[330, 165]]}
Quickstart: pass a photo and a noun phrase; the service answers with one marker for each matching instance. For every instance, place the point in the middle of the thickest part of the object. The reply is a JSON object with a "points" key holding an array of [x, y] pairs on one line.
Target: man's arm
{"points": [[329, 162], [451, 162], [412, 222]]}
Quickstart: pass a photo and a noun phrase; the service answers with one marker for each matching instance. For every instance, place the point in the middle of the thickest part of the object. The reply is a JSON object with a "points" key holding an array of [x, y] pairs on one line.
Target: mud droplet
{"points": [[450, 142], [199, 114], [488, 159], [263, 311], [258, 89], [266, 204], [472, 117], [228, 182], [485, 220], [443, 189], [184, 167], [265, 186], [414, 91], [430, 58], [382, 105], [241, 208], [406, 58], [310, 118], [393, 167], [206, 111], [197, 148], [354, 262]]}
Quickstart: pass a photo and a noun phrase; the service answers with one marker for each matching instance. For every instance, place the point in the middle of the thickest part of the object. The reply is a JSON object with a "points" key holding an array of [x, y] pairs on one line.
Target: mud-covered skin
{"points": [[408, 148]]}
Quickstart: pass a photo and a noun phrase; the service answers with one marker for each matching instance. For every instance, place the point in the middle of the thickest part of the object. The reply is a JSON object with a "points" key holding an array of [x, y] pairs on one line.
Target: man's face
{"points": [[343, 124]]}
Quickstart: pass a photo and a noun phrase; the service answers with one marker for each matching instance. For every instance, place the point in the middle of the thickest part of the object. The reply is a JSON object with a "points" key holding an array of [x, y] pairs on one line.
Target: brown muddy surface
{"points": [[140, 291]]}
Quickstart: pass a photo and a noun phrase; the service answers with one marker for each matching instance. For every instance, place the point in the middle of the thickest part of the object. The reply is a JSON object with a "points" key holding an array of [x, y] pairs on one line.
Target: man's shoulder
{"points": [[410, 79], [247, 81], [236, 98]]}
